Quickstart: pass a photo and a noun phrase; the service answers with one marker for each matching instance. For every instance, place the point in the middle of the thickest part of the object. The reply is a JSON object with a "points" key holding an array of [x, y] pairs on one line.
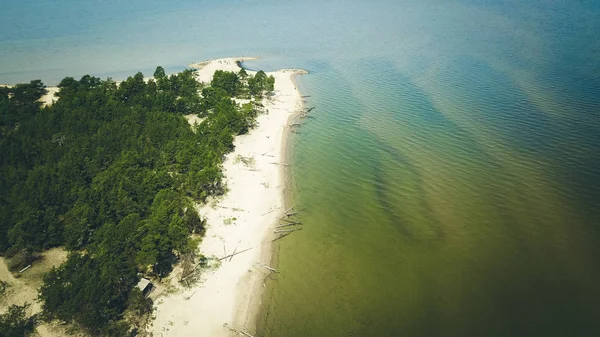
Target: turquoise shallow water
{"points": [[449, 175]]}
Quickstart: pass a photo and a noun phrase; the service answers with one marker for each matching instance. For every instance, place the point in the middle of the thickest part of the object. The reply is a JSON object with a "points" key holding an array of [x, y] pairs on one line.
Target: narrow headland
{"points": [[225, 296], [242, 224]]}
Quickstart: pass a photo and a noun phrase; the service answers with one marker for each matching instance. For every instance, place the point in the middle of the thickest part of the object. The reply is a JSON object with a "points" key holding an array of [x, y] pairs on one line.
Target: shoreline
{"points": [[240, 221], [268, 253]]}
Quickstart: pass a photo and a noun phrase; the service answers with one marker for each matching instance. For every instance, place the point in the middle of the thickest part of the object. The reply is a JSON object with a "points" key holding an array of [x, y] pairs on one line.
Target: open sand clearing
{"points": [[24, 288], [49, 98], [240, 220]]}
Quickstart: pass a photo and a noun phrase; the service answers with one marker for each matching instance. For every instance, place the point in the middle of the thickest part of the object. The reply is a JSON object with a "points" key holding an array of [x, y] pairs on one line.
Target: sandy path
{"points": [[240, 220]]}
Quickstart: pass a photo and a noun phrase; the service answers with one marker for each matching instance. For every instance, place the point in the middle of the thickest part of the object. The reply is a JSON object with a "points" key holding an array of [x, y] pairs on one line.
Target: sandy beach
{"points": [[241, 220]]}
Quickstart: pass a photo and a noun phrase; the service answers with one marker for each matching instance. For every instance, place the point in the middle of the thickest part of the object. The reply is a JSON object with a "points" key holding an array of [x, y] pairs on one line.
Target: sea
{"points": [[448, 178]]}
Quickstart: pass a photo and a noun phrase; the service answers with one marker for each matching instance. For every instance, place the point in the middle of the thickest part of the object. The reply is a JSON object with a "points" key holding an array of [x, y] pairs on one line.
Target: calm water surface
{"points": [[449, 175]]}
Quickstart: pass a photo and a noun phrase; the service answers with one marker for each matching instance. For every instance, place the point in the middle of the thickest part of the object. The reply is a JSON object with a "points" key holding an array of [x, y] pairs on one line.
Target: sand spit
{"points": [[241, 220]]}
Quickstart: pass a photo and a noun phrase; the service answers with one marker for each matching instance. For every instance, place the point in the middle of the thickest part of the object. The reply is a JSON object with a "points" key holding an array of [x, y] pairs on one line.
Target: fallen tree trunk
{"points": [[284, 164], [271, 211], [232, 255], [268, 268], [290, 224], [242, 332], [287, 230], [280, 237]]}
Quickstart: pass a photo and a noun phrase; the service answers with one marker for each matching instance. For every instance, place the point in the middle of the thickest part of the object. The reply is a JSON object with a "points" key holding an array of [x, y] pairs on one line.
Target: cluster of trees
{"points": [[242, 84], [19, 102], [111, 172], [15, 323]]}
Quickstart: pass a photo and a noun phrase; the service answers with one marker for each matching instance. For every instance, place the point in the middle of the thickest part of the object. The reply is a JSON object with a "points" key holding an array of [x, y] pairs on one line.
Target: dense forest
{"points": [[112, 171]]}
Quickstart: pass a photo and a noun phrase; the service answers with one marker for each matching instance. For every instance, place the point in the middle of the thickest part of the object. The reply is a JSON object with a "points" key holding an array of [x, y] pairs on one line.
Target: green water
{"points": [[441, 212]]}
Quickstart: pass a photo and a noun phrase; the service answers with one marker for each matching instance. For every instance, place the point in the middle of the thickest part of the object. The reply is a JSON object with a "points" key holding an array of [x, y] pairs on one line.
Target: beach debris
{"points": [[304, 113], [283, 164], [281, 236], [234, 254], [187, 298], [271, 211], [287, 230], [289, 223], [294, 71], [189, 265], [24, 269], [235, 250], [239, 331], [290, 212], [268, 268], [295, 223], [193, 273]]}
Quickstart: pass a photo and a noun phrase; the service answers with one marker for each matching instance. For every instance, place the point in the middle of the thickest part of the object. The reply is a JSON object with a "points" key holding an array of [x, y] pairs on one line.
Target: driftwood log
{"points": [[232, 255], [296, 223], [268, 268], [240, 331], [284, 164], [286, 230]]}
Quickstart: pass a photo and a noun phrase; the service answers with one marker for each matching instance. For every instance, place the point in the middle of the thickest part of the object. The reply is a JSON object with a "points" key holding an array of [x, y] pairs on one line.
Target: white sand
{"points": [[49, 98], [242, 219], [194, 121]]}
